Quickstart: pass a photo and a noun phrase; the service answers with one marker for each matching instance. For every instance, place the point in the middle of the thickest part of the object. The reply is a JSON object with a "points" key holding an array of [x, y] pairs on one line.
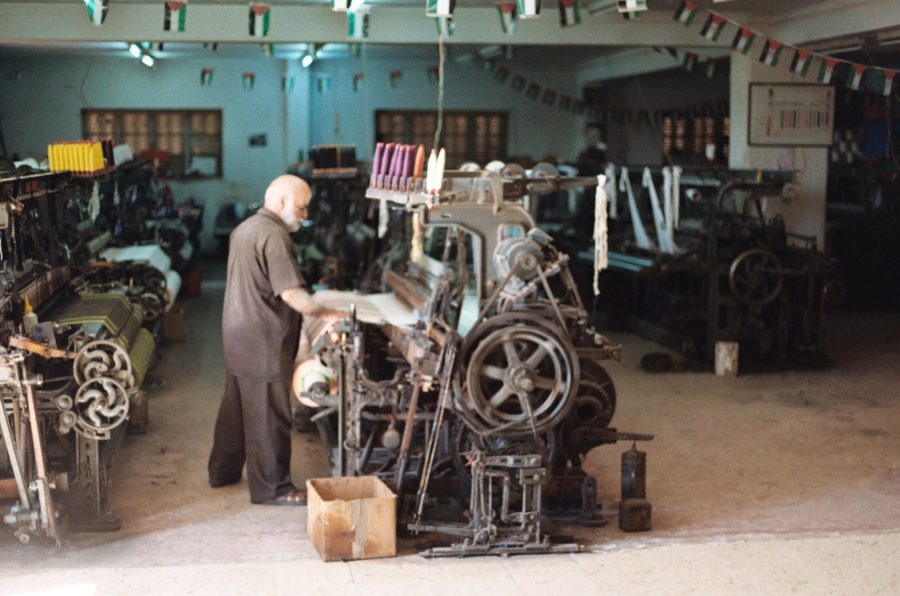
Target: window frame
{"points": [[187, 134], [408, 136]]}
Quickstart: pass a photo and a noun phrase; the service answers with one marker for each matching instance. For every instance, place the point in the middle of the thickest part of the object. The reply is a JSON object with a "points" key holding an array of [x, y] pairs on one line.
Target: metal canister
{"points": [[634, 473]]}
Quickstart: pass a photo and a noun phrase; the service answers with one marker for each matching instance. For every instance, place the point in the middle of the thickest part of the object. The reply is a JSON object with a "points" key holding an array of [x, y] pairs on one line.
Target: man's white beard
{"points": [[289, 219]]}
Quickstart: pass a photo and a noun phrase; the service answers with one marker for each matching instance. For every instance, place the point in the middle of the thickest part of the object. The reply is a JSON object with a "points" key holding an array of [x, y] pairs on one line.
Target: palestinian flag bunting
{"points": [[440, 8], [712, 68], [549, 97], [518, 83], [631, 5], [885, 83], [857, 72], [826, 70], [268, 49], [565, 103], [358, 24], [395, 77], [508, 17], [569, 13], [175, 16], [259, 19], [249, 80], [686, 13], [527, 9], [445, 26], [211, 46], [533, 91], [287, 85], [690, 61], [206, 76], [801, 62], [97, 10], [713, 27], [434, 74], [771, 53], [358, 79], [631, 16], [743, 40]]}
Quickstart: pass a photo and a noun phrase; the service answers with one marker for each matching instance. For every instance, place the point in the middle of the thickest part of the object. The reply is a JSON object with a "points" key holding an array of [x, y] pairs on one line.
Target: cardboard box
{"points": [[351, 518]]}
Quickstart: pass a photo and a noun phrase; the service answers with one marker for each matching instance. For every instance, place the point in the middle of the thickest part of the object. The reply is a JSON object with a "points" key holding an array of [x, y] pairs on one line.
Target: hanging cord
{"points": [[368, 121], [440, 116]]}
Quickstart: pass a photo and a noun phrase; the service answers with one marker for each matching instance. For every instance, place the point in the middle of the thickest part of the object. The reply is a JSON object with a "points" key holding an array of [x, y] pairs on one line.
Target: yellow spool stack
{"points": [[80, 157]]}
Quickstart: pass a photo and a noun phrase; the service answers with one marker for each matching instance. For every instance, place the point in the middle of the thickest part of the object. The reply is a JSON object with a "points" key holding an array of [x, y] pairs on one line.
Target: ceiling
{"points": [[770, 7]]}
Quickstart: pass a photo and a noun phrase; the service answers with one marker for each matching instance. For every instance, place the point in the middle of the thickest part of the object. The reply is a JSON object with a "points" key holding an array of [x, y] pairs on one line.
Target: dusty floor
{"points": [[771, 482]]}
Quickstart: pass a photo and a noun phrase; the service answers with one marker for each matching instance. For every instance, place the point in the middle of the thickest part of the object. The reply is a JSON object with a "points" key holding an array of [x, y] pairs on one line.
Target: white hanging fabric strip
{"points": [[612, 194], [383, 217], [669, 206], [94, 202], [658, 218], [601, 236], [676, 192], [640, 234]]}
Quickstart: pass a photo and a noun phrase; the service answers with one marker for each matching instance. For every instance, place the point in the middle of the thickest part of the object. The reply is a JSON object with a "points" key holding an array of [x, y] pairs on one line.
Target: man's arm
{"points": [[301, 301]]}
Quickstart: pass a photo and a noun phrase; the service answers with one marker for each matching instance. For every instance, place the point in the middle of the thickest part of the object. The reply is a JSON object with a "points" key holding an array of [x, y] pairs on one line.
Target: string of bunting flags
{"points": [[829, 70]]}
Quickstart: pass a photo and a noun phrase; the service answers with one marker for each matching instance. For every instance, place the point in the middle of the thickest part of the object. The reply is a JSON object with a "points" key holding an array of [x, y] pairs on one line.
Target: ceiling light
{"points": [[307, 60], [134, 50], [147, 60]]}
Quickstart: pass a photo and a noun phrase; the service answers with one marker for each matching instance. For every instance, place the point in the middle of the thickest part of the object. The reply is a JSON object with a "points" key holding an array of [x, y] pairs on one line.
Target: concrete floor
{"points": [[767, 483]]}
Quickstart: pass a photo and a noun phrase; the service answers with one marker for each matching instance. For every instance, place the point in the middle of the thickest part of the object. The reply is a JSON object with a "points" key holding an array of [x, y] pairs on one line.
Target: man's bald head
{"points": [[289, 196]]}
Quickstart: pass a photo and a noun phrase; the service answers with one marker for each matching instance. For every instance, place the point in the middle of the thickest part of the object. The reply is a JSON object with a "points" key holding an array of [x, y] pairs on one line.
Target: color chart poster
{"points": [[791, 115]]}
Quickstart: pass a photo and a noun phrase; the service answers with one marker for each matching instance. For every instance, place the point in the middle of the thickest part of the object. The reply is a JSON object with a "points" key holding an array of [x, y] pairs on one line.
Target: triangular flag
{"points": [[826, 70], [549, 97], [518, 83], [433, 74], [358, 79], [358, 24], [439, 8], [713, 27], [501, 73], [686, 13], [323, 83], [97, 10], [249, 80], [395, 77], [527, 9], [259, 19], [857, 71], [631, 16], [268, 49], [508, 17], [212, 46], [287, 85], [885, 83], [771, 52], [569, 13], [565, 103], [206, 76], [801, 62], [743, 40], [445, 26], [712, 68], [533, 91], [175, 16]]}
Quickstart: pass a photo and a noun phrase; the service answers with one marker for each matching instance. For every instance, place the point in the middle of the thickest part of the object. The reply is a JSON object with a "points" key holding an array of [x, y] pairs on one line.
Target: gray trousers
{"points": [[253, 425]]}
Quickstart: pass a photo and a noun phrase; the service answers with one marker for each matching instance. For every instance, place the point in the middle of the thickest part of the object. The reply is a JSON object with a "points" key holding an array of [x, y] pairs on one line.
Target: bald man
{"points": [[264, 301]]}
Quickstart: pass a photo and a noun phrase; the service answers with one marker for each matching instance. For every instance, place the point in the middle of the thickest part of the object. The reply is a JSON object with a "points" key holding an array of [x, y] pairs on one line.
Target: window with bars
{"points": [[688, 137], [467, 136], [191, 138]]}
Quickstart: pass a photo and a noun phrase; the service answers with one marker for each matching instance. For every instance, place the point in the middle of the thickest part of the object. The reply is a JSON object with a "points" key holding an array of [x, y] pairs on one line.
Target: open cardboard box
{"points": [[351, 518]]}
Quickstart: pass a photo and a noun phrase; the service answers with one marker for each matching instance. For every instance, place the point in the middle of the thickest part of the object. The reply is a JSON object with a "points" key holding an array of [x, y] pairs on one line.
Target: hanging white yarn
{"points": [[640, 234], [612, 194], [383, 217], [601, 232], [665, 243]]}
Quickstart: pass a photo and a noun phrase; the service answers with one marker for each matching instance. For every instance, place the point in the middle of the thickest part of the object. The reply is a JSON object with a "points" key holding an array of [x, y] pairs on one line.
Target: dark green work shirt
{"points": [[259, 330]]}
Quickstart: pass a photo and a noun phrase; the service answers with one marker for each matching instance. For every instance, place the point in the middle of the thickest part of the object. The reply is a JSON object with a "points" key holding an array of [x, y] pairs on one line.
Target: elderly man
{"points": [[264, 298]]}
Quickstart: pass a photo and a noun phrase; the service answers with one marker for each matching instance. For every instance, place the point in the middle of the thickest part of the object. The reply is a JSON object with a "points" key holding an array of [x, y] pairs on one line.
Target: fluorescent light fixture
{"points": [[147, 60], [307, 60], [489, 52], [134, 50]]}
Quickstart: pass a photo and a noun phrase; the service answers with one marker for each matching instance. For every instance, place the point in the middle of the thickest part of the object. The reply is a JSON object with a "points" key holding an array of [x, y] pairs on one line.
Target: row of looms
{"points": [[91, 265]]}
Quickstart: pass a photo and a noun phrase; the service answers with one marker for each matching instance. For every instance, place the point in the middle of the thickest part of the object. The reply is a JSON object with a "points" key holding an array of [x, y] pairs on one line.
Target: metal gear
{"points": [[101, 405], [102, 358], [755, 277]]}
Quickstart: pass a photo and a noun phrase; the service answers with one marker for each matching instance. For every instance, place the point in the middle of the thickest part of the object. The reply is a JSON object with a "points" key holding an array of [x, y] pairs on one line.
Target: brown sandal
{"points": [[292, 498]]}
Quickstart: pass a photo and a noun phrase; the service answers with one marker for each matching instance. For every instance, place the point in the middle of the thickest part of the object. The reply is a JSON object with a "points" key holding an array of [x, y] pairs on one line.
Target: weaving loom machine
{"points": [[68, 380], [476, 377]]}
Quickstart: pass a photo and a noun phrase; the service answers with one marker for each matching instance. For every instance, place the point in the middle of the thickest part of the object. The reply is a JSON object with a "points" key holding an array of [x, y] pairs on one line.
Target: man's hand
{"points": [[301, 301]]}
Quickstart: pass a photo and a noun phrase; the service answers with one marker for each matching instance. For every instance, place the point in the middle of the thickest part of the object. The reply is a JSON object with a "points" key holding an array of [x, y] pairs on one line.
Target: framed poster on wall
{"points": [[790, 114]]}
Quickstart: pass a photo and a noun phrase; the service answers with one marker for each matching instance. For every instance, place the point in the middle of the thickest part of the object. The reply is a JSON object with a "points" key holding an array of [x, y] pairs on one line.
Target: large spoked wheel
{"points": [[755, 277], [520, 375], [103, 359], [101, 405]]}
